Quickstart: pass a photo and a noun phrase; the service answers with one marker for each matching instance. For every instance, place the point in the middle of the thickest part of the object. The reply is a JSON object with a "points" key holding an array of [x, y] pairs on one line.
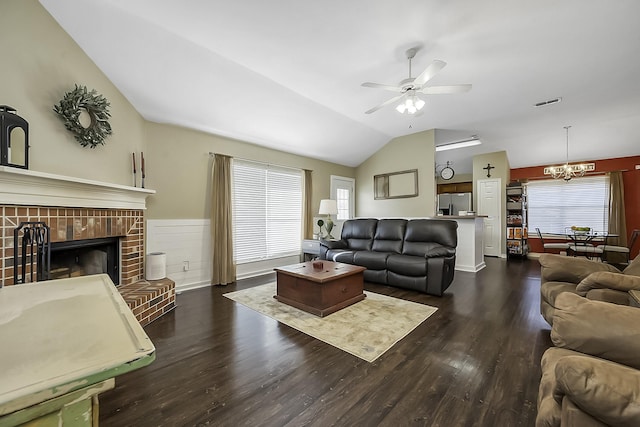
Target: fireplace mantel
{"points": [[26, 187]]}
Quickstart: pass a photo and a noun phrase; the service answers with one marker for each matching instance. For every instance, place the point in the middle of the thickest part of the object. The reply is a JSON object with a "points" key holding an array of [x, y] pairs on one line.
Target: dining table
{"points": [[584, 242]]}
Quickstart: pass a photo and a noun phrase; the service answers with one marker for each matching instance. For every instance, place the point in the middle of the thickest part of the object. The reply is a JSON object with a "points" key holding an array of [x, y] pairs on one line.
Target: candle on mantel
{"points": [[134, 162], [142, 165]]}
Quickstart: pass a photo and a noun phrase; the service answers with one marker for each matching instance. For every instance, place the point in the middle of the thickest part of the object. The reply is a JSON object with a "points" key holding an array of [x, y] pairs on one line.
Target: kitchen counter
{"points": [[470, 250], [63, 342]]}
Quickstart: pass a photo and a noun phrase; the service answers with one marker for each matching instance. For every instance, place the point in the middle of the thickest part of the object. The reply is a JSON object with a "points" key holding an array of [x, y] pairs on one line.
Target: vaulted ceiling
{"points": [[287, 74]]}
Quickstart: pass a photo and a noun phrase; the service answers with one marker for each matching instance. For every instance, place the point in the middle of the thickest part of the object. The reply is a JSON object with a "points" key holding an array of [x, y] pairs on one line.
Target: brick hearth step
{"points": [[149, 299]]}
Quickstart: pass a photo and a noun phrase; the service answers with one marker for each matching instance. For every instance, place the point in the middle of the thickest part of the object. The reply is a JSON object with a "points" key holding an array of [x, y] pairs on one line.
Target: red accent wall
{"points": [[630, 176]]}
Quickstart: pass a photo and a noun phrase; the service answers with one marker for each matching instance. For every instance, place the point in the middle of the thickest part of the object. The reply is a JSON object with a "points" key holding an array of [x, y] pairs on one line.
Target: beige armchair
{"points": [[592, 376], [594, 280]]}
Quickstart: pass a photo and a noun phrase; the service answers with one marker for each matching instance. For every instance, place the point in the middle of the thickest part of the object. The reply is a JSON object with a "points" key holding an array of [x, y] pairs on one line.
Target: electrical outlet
{"points": [[185, 265], [637, 166]]}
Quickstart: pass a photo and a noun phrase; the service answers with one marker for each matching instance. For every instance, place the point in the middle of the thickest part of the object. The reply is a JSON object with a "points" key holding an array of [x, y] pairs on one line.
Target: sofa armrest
{"points": [[558, 268], [608, 280], [334, 244], [607, 391], [441, 251], [597, 328]]}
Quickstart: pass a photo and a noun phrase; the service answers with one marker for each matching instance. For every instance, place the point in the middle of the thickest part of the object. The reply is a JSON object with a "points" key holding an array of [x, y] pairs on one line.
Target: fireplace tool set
{"points": [[35, 251]]}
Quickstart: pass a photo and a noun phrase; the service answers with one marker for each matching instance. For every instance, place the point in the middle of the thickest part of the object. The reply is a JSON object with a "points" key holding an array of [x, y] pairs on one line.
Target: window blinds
{"points": [[556, 204], [267, 211]]}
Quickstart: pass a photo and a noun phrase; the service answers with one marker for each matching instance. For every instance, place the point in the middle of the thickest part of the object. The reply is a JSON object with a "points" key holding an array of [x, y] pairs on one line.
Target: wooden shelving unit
{"points": [[517, 244]]}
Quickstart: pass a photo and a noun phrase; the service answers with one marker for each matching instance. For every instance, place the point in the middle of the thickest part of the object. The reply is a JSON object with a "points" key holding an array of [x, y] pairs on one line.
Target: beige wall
{"points": [[40, 64], [415, 151], [179, 168], [500, 161]]}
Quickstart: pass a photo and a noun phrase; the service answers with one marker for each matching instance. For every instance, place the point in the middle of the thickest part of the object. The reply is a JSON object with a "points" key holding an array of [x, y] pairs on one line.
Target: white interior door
{"points": [[343, 191], [490, 204]]}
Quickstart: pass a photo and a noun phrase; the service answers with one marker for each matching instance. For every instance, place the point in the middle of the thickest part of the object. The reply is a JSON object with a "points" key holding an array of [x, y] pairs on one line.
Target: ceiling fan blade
{"points": [[385, 103], [381, 86], [439, 90], [429, 72]]}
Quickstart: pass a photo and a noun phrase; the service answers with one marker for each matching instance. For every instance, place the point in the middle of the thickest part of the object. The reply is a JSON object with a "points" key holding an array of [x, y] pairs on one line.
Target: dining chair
{"points": [[582, 244], [613, 254], [545, 246]]}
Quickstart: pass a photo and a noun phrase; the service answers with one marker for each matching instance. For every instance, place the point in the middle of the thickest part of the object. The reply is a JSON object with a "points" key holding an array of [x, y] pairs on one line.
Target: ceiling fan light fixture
{"points": [[410, 87], [411, 104]]}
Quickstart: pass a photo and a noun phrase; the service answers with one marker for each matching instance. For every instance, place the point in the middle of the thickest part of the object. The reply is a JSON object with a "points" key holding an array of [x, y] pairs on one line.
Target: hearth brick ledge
{"points": [[149, 299]]}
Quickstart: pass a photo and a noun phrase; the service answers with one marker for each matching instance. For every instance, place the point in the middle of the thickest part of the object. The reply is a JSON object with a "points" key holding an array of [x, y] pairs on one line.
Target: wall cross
{"points": [[488, 168]]}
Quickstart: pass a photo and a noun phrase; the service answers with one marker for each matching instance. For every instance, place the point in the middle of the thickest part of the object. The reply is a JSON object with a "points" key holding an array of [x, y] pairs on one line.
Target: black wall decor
{"points": [[14, 139]]}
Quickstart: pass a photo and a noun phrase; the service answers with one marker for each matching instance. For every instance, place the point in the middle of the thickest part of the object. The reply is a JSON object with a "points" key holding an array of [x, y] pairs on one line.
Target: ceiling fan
{"points": [[409, 88]]}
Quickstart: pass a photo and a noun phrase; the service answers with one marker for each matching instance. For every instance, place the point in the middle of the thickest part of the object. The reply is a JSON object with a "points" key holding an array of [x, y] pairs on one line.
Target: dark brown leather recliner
{"points": [[417, 254]]}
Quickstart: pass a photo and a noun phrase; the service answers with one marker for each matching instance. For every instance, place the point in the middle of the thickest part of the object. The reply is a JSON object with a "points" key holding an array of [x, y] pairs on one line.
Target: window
{"points": [[342, 200], [267, 211], [342, 190], [556, 204]]}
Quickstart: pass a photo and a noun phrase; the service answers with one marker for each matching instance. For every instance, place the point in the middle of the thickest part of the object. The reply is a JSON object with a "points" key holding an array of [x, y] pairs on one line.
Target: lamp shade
{"points": [[328, 207]]}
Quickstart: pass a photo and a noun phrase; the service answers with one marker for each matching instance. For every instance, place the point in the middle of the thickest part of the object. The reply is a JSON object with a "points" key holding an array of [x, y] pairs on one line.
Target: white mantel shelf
{"points": [[32, 188]]}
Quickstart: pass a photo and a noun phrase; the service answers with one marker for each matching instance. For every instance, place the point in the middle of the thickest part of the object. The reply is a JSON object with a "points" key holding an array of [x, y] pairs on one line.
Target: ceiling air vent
{"points": [[549, 102]]}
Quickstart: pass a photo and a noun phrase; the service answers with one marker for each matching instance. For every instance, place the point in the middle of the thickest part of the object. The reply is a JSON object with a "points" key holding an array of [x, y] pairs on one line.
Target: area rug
{"points": [[366, 329]]}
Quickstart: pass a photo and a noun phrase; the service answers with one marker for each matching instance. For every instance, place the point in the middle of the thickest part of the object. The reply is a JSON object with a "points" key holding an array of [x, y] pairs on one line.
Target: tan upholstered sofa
{"points": [[594, 280], [592, 376]]}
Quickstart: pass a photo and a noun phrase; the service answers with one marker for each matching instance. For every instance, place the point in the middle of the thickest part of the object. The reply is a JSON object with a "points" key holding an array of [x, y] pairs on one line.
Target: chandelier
{"points": [[411, 104], [568, 171]]}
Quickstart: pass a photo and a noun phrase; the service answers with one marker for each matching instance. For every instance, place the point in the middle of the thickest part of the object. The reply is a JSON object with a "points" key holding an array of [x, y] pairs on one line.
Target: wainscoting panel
{"points": [[185, 241]]}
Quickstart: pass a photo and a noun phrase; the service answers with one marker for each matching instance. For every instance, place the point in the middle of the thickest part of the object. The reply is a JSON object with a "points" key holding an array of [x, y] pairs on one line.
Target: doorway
{"points": [[343, 191], [490, 204]]}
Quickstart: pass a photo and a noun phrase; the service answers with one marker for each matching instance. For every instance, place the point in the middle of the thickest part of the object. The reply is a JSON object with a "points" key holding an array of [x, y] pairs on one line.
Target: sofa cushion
{"points": [[608, 280], [424, 235], [389, 235], [598, 328], [376, 276], [558, 268], [407, 265], [549, 410], [358, 233], [608, 391], [340, 255], [550, 290], [416, 283], [371, 259], [633, 269]]}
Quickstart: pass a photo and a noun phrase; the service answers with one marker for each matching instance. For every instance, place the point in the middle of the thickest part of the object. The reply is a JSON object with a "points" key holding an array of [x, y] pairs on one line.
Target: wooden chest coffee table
{"points": [[320, 291]]}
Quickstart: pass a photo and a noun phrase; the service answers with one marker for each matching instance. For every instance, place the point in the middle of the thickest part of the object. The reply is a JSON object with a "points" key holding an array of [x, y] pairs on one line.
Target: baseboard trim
{"points": [[191, 286]]}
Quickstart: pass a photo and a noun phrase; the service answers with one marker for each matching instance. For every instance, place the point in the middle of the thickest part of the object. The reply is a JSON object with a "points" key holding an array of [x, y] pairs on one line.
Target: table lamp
{"points": [[328, 207]]}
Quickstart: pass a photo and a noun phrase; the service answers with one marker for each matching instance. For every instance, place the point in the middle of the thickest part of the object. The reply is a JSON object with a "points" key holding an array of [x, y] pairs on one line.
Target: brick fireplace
{"points": [[81, 210], [74, 224]]}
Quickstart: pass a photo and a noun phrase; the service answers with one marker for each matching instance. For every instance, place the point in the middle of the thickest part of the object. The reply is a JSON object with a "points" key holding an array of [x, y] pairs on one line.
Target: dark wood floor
{"points": [[476, 362]]}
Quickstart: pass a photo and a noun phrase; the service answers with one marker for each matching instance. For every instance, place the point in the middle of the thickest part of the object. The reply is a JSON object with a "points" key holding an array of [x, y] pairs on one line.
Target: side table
{"points": [[310, 249], [634, 298]]}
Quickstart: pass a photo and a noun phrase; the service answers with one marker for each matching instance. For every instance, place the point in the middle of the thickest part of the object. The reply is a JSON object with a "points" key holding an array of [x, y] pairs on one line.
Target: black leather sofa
{"points": [[417, 254]]}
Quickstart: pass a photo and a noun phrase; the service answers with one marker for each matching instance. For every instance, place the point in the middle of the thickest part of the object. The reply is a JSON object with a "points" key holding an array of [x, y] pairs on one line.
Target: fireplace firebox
{"points": [[85, 257]]}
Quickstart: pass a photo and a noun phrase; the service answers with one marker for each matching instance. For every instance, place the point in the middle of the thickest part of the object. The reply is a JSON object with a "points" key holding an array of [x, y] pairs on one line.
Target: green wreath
{"points": [[77, 101]]}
